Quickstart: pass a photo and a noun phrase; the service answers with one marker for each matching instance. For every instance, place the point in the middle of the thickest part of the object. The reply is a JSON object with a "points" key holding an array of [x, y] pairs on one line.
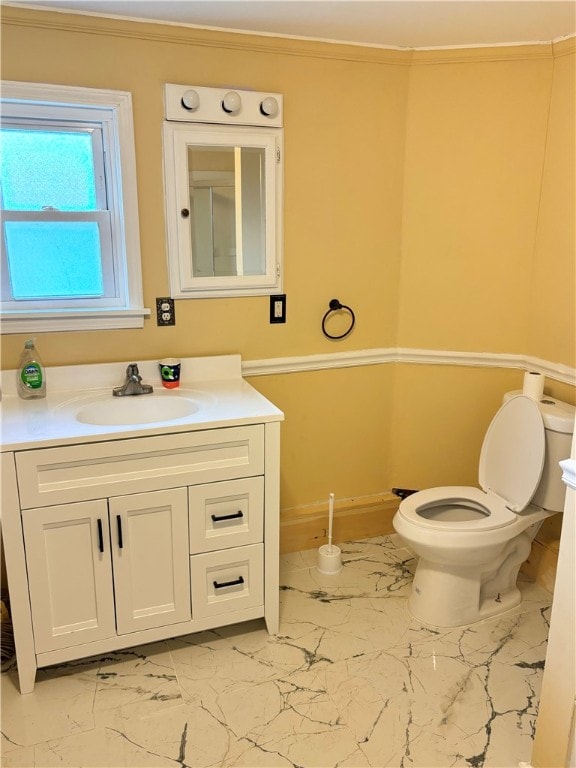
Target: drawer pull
{"points": [[235, 583], [233, 516], [100, 536], [119, 526]]}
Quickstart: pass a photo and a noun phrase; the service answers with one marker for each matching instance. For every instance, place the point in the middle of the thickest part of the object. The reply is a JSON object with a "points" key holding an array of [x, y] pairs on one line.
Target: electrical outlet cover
{"points": [[165, 311]]}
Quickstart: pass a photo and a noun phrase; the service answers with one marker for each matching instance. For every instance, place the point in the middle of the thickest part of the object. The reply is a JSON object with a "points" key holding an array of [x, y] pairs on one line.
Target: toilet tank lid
{"points": [[557, 415]]}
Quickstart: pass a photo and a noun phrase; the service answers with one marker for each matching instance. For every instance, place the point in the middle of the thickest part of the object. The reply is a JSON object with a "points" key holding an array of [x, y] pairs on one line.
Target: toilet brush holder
{"points": [[329, 559]]}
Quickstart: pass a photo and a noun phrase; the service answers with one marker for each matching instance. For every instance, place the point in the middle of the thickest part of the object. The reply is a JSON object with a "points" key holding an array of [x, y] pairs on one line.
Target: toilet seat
{"points": [[492, 511], [511, 463]]}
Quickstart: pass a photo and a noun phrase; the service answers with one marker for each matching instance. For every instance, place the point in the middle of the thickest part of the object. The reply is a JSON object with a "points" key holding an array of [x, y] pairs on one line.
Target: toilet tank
{"points": [[558, 420]]}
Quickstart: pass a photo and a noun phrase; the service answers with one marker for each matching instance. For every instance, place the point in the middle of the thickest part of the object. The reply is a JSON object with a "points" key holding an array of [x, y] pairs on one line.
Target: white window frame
{"points": [[122, 307]]}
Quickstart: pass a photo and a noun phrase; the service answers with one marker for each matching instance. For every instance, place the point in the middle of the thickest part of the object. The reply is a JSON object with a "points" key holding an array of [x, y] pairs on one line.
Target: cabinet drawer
{"points": [[227, 514], [225, 581], [80, 472]]}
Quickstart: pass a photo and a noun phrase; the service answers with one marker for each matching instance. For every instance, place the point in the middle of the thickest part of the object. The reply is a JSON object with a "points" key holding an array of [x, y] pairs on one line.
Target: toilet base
{"points": [[454, 594], [450, 618], [446, 597]]}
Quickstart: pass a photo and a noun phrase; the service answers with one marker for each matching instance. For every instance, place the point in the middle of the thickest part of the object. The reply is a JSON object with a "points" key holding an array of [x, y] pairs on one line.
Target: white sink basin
{"points": [[160, 406], [140, 409]]}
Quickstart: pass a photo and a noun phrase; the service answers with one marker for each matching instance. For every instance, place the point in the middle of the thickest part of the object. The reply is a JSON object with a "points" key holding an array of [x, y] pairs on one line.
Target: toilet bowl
{"points": [[472, 541]]}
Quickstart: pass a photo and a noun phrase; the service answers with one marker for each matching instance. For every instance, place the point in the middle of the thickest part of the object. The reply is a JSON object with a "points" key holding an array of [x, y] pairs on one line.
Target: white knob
{"points": [[269, 106], [231, 102], [190, 100]]}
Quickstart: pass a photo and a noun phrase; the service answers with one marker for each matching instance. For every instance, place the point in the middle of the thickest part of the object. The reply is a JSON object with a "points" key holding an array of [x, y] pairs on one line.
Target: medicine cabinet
{"points": [[223, 161]]}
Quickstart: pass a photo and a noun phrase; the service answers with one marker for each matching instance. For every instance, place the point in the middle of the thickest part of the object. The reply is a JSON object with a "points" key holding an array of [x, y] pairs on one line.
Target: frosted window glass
{"points": [[49, 259], [47, 168]]}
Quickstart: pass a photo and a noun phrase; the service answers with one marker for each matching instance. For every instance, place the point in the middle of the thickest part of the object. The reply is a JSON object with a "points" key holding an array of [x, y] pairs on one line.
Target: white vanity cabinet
{"points": [[101, 568], [141, 535]]}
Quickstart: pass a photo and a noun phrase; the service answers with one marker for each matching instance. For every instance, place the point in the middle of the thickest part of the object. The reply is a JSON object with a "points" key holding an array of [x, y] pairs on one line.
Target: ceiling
{"points": [[394, 23]]}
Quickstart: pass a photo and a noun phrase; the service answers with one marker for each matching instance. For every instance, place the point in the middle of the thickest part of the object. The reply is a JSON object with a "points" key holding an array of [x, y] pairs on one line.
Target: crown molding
{"points": [[165, 32], [483, 54], [564, 47], [262, 42]]}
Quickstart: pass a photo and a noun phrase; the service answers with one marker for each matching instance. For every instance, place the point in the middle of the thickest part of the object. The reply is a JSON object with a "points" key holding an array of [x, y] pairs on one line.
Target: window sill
{"points": [[43, 321]]}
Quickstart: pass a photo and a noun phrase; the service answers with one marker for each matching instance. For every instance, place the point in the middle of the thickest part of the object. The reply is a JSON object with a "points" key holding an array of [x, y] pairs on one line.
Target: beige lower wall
{"points": [[335, 437], [373, 428], [361, 518], [361, 431]]}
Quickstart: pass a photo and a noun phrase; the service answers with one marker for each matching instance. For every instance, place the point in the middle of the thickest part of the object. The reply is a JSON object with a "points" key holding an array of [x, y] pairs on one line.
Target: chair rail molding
{"points": [[379, 356]]}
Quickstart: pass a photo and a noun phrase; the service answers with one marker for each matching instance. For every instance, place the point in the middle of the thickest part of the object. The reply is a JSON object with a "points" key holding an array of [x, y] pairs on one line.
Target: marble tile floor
{"points": [[350, 681]]}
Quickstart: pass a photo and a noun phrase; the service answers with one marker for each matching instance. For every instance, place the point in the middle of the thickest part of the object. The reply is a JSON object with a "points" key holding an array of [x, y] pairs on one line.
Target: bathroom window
{"points": [[70, 245]]}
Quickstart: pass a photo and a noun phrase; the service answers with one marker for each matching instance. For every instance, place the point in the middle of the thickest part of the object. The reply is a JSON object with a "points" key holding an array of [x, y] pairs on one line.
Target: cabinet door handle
{"points": [[119, 526], [239, 580], [100, 536], [233, 516]]}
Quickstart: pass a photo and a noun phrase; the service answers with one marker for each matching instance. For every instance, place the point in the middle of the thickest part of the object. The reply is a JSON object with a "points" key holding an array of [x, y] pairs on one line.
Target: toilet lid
{"points": [[512, 454]]}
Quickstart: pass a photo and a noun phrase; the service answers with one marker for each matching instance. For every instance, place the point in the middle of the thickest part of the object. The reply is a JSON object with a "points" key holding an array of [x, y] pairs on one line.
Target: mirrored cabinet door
{"points": [[223, 190]]}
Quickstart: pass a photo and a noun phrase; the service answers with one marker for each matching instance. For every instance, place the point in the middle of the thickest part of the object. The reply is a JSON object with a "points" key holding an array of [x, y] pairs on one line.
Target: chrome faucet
{"points": [[133, 384]]}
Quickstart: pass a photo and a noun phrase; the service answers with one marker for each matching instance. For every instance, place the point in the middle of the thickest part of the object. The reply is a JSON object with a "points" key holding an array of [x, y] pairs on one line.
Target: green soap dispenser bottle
{"points": [[31, 380]]}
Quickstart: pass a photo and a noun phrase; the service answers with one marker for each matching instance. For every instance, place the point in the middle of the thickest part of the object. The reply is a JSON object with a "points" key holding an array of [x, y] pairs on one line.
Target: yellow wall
{"points": [[552, 318], [474, 155], [427, 191], [343, 174], [488, 256]]}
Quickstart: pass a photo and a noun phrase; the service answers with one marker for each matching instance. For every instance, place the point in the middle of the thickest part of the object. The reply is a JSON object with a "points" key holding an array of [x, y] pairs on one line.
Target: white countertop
{"points": [[215, 384]]}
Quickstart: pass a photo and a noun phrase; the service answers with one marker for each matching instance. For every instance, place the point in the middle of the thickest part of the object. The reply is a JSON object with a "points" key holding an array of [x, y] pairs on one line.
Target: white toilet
{"points": [[471, 542]]}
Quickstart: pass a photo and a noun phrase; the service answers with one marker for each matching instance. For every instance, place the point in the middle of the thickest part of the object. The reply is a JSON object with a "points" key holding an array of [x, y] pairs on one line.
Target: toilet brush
{"points": [[329, 555]]}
